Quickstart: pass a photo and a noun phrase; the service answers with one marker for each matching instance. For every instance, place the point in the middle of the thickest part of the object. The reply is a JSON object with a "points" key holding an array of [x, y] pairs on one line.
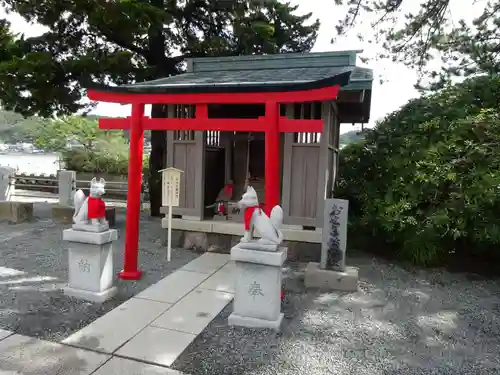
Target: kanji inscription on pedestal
{"points": [[255, 290], [84, 266]]}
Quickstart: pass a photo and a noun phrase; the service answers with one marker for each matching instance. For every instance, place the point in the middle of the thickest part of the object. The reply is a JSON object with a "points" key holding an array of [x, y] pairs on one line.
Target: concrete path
{"points": [[23, 355], [157, 325], [143, 336]]}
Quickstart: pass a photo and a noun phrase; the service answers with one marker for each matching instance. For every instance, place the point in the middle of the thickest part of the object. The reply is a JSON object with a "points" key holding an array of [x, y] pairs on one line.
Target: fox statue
{"points": [[92, 209], [269, 227]]}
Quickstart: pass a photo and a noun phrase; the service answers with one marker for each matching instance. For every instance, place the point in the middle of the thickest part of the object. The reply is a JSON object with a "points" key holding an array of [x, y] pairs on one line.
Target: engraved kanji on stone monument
{"points": [[334, 234]]}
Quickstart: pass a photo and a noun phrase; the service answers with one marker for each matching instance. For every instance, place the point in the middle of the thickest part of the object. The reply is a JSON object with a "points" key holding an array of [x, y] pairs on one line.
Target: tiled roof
{"points": [[238, 77], [244, 80]]}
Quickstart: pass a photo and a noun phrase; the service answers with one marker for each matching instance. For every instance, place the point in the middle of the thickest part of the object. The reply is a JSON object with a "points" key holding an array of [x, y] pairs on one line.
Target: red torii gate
{"points": [[271, 124]]}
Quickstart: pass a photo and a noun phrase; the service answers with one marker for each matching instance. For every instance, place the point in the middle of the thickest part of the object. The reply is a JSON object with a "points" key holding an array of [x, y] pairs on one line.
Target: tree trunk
{"points": [[156, 162], [156, 58]]}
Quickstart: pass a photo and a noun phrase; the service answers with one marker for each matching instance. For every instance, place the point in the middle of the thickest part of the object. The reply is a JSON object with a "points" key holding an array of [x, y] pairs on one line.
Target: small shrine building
{"points": [[271, 122]]}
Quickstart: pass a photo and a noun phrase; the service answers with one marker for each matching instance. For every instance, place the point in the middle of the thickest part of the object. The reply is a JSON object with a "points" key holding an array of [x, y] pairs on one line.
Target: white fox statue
{"points": [[269, 227], [95, 216]]}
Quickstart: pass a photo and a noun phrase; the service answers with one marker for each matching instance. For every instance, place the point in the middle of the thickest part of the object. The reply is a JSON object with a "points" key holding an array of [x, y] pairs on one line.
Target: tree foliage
{"points": [[15, 128], [110, 155], [126, 41], [117, 42], [350, 136], [425, 182], [92, 150], [419, 34], [55, 134]]}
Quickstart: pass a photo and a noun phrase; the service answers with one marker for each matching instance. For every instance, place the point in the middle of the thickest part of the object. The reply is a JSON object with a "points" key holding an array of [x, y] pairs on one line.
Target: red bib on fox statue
{"points": [[248, 215], [96, 208]]}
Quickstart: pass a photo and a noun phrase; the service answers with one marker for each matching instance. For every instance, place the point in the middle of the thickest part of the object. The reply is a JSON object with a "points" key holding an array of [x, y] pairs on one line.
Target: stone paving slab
{"points": [[207, 263], [156, 345], [4, 334], [22, 355], [222, 280], [114, 329], [123, 366], [194, 312], [173, 287]]}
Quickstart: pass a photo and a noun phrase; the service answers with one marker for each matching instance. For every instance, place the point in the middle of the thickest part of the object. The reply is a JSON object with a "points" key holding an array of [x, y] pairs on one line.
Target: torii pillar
{"points": [[130, 268]]}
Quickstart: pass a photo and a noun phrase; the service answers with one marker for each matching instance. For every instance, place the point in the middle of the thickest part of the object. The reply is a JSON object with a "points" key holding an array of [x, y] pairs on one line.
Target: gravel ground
{"points": [[399, 322], [34, 268]]}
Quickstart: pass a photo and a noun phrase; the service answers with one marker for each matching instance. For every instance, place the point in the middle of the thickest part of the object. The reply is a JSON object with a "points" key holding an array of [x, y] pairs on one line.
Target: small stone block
{"points": [[346, 281], [16, 212], [94, 238], [195, 241], [220, 218], [90, 296], [270, 258], [111, 215], [243, 321], [62, 214]]}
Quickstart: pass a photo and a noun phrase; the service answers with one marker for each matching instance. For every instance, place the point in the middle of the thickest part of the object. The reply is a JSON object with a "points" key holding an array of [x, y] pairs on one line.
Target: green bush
{"points": [[111, 159], [425, 183]]}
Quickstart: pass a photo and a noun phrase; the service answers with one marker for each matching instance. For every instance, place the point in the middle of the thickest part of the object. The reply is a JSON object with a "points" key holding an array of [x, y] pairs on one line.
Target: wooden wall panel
{"points": [[304, 181]]}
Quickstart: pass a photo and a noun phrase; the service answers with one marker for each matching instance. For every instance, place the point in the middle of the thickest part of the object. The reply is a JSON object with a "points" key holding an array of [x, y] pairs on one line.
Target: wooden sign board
{"points": [[171, 182]]}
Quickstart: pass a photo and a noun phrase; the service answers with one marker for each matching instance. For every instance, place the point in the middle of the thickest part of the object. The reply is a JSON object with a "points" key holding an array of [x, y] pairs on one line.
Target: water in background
{"points": [[31, 163]]}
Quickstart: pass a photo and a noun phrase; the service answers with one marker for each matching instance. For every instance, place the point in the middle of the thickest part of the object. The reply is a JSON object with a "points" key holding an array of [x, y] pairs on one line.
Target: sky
{"points": [[388, 96]]}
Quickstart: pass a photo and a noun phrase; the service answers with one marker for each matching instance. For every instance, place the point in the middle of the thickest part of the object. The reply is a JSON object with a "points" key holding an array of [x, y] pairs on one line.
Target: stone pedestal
{"points": [[342, 281], [257, 298], [91, 271]]}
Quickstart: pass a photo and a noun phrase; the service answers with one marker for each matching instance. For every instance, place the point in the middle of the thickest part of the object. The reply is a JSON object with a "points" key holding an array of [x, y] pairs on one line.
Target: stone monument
{"points": [[332, 273], [91, 271], [67, 187], [257, 298], [7, 176], [12, 211], [62, 212]]}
